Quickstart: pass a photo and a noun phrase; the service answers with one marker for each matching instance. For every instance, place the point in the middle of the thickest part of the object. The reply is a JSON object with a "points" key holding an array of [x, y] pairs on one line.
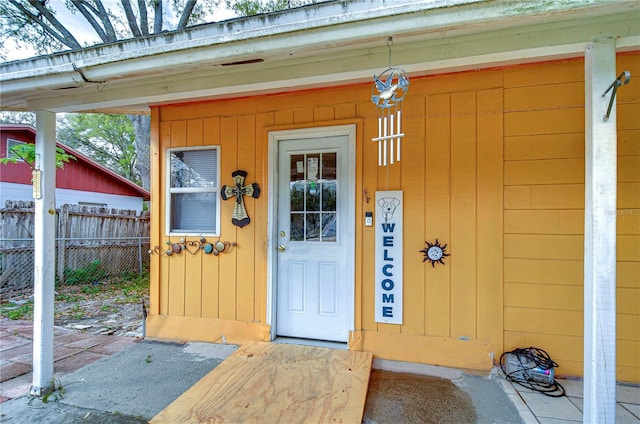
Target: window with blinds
{"points": [[193, 186], [10, 144]]}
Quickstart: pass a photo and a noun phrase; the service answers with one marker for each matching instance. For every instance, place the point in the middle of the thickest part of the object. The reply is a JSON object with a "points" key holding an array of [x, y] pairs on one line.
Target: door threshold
{"points": [[312, 342]]}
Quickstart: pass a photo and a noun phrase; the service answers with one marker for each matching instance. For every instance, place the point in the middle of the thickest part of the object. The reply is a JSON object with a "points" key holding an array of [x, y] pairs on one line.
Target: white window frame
{"points": [[93, 204], [12, 142], [169, 191]]}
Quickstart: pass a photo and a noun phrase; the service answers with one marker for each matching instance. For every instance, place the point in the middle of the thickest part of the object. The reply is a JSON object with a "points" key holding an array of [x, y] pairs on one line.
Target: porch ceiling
{"points": [[326, 44]]}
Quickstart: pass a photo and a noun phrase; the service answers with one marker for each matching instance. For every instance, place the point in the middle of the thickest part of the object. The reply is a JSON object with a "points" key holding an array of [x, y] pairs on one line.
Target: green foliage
{"points": [[14, 311], [56, 394], [107, 139], [10, 117], [27, 152], [90, 289], [16, 25], [77, 312], [133, 287], [255, 7], [65, 297], [89, 274]]}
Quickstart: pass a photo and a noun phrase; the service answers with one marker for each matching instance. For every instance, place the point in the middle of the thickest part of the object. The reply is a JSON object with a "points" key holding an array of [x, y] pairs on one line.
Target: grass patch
{"points": [[68, 297], [91, 289], [15, 311]]}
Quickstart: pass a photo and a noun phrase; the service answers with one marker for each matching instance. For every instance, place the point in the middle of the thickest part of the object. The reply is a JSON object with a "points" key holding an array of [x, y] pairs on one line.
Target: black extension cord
{"points": [[531, 368]]}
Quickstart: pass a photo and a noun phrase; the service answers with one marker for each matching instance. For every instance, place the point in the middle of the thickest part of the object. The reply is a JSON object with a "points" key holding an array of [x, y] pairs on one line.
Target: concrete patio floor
{"points": [[111, 379]]}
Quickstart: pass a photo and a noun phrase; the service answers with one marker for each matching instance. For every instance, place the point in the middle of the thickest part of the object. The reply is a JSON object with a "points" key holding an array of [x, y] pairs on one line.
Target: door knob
{"points": [[282, 248]]}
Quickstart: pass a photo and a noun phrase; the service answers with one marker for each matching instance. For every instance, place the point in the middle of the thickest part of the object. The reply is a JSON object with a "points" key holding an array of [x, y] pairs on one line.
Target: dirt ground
{"points": [[398, 398], [109, 313], [108, 308]]}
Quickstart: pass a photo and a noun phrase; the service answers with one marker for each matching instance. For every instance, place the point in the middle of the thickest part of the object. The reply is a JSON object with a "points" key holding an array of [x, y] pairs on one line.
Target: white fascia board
{"points": [[340, 27], [417, 58]]}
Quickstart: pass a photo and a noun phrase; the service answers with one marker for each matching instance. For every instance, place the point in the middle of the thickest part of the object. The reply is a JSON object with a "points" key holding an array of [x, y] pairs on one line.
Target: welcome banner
{"points": [[388, 261]]}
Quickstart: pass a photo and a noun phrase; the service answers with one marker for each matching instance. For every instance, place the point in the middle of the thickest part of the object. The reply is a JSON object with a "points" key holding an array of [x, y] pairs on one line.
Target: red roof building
{"points": [[81, 181]]}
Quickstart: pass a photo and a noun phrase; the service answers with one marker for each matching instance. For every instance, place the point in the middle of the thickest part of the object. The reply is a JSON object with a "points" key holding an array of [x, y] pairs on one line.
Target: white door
{"points": [[314, 239]]}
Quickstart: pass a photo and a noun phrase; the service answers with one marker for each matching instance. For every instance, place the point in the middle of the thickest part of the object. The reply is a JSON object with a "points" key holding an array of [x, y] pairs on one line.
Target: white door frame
{"points": [[272, 222]]}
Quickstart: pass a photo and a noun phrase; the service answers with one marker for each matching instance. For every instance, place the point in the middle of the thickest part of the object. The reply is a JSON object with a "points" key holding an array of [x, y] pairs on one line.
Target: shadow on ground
{"points": [[397, 398]]}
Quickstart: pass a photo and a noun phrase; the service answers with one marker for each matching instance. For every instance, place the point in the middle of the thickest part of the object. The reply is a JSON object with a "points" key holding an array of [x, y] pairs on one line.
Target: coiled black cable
{"points": [[530, 362]]}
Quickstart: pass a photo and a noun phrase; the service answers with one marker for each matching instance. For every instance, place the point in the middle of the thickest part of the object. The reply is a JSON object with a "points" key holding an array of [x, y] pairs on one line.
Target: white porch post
{"points": [[44, 255], [600, 236]]}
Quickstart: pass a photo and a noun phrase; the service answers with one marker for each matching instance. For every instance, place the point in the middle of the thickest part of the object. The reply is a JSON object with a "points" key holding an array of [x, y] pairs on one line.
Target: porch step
{"points": [[277, 383]]}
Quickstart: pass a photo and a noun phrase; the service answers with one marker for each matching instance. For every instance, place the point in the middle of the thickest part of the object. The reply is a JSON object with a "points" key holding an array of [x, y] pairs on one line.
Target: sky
{"points": [[81, 29]]}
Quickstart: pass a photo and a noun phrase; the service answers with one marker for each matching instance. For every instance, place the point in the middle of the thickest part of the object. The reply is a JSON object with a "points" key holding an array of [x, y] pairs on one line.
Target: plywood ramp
{"points": [[277, 383]]}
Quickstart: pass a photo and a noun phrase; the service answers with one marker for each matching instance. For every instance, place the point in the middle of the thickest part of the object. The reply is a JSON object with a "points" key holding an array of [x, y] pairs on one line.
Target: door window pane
{"points": [[329, 166], [313, 196], [329, 221], [329, 196], [297, 227], [313, 167], [297, 168], [313, 227], [297, 196]]}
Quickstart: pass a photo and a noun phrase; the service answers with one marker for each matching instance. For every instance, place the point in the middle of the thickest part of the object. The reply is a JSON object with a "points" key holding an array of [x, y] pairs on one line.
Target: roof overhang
{"points": [[336, 42]]}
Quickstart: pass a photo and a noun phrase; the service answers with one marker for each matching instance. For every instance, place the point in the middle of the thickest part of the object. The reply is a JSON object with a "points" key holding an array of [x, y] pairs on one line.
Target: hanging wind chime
{"points": [[387, 94]]}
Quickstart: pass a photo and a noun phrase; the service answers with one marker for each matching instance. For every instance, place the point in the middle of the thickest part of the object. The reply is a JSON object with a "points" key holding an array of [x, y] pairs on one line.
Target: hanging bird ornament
{"points": [[387, 94], [390, 94], [238, 191]]}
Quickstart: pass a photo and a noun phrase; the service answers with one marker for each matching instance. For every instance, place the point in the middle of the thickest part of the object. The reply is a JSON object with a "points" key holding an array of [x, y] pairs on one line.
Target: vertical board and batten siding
{"points": [[450, 174], [544, 213], [492, 165], [448, 178]]}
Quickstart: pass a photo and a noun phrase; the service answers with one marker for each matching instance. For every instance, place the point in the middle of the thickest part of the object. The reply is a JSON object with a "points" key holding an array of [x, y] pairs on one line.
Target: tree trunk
{"points": [[142, 128]]}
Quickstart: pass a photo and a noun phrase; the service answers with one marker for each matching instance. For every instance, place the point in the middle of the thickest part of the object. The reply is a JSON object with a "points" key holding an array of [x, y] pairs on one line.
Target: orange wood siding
{"points": [[544, 214], [492, 165], [451, 171]]}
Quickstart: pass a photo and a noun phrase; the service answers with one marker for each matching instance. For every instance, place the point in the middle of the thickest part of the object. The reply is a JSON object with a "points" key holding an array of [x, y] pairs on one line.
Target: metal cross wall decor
{"points": [[239, 190]]}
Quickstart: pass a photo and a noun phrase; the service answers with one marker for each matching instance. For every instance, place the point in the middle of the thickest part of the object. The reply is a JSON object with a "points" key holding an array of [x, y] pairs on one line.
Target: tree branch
{"points": [[106, 22], [82, 8], [186, 13], [144, 21], [56, 30], [157, 16], [131, 18]]}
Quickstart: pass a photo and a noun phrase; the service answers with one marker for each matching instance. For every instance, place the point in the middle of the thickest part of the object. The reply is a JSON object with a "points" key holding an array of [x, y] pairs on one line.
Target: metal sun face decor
{"points": [[434, 252], [387, 94]]}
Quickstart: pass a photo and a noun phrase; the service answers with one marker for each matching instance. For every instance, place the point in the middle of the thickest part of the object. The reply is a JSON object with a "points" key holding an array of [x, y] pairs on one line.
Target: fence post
{"points": [[63, 220], [139, 255]]}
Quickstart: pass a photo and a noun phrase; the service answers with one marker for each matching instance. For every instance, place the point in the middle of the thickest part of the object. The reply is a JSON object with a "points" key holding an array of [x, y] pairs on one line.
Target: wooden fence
{"points": [[105, 241], [73, 221]]}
